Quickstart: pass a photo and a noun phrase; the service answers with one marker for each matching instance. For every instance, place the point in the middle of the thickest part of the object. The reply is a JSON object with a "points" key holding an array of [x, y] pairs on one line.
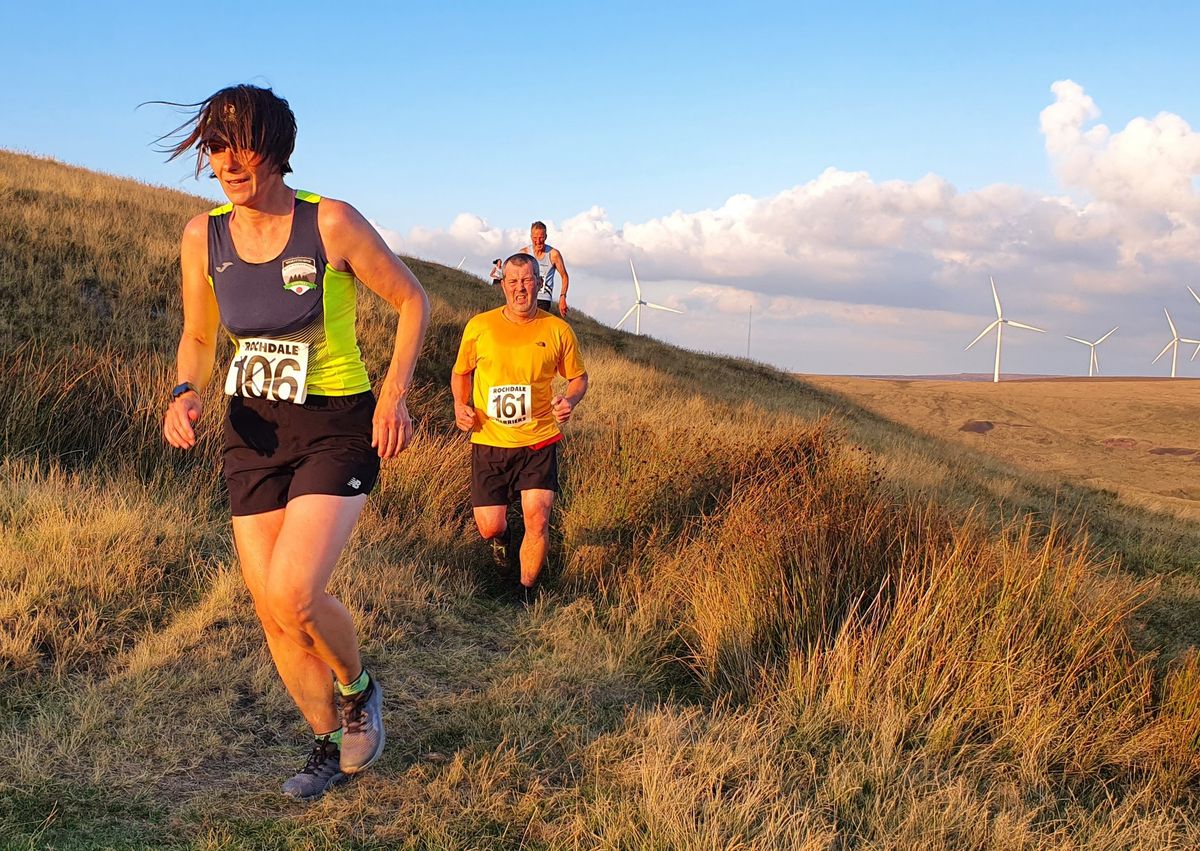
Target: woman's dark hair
{"points": [[243, 118]]}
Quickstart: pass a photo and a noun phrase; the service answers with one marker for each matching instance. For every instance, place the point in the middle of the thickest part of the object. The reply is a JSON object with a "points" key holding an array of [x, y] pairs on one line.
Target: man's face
{"points": [[520, 285], [537, 237]]}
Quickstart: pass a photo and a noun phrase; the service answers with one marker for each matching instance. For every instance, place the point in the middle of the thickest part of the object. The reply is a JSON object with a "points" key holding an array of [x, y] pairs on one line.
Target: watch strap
{"points": [[179, 389]]}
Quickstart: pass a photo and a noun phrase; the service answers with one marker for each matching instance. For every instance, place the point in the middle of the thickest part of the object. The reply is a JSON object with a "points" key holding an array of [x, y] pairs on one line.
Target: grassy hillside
{"points": [[777, 619]]}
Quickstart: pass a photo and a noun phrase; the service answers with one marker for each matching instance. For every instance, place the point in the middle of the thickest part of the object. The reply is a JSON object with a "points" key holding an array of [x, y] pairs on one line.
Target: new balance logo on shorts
{"points": [[354, 483]]}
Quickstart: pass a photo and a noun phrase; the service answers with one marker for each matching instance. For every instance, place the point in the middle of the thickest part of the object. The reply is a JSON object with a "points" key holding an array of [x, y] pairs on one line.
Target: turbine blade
{"points": [[636, 286], [982, 333], [660, 307], [1164, 351], [1023, 325], [995, 298], [1193, 292], [1106, 336], [1077, 340], [1197, 352], [626, 316], [1174, 333]]}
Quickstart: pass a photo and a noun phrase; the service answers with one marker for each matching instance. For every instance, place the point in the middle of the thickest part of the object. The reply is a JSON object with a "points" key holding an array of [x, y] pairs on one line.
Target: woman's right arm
{"points": [[198, 342]]}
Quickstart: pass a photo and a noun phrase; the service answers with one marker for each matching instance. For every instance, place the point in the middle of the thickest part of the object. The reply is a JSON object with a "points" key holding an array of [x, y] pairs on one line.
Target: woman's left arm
{"points": [[353, 244]]}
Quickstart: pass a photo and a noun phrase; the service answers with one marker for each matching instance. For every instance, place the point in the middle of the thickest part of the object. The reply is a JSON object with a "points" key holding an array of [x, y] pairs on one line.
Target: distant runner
{"points": [[502, 394], [550, 262], [304, 435]]}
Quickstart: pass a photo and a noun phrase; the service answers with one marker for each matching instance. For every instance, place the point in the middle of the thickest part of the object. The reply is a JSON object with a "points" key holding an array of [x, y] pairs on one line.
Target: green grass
{"points": [[776, 620]]}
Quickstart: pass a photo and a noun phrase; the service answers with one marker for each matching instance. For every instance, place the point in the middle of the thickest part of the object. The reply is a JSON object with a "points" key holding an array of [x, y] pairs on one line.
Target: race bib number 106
{"points": [[269, 369], [510, 404]]}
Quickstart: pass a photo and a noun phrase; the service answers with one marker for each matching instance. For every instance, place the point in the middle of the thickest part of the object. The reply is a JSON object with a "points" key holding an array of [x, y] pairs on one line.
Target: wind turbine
{"points": [[999, 324], [1197, 298], [1174, 344], [1093, 364], [640, 303], [460, 262]]}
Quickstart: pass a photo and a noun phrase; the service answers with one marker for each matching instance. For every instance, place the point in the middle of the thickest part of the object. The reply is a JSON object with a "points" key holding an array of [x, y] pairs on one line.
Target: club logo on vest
{"points": [[299, 274]]}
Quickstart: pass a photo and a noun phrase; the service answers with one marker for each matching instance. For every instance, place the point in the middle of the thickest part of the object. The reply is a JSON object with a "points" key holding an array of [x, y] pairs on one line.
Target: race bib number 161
{"points": [[510, 404], [269, 369]]}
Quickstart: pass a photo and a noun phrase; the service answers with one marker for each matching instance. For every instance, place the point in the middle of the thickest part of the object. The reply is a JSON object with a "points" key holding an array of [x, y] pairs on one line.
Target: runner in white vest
{"points": [[550, 263]]}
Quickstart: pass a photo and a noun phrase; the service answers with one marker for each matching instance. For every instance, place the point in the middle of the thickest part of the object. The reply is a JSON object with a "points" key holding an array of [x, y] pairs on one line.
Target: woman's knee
{"points": [[264, 609], [266, 617], [294, 610]]}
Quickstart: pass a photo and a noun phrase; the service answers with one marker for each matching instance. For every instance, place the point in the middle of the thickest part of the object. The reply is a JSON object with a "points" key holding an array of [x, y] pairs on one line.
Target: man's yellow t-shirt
{"points": [[514, 365]]}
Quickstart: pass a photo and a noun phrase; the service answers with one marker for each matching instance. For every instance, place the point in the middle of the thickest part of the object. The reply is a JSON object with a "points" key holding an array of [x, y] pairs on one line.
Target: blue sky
{"points": [[629, 128]]}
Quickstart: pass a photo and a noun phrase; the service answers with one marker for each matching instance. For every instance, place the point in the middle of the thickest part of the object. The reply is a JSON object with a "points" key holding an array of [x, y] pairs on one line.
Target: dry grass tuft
{"points": [[87, 565]]}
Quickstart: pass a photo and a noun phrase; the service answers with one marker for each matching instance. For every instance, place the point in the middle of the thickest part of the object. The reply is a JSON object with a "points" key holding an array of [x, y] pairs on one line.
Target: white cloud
{"points": [[853, 250], [1147, 166], [783, 309], [1140, 178]]}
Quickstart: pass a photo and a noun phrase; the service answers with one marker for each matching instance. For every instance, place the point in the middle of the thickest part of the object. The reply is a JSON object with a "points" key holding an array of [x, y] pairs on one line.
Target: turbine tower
{"points": [[1093, 364], [999, 324], [1174, 344], [749, 326], [640, 303]]}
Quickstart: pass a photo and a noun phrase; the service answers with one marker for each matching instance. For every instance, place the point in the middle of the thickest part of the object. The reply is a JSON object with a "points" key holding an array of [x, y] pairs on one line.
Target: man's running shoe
{"points": [[320, 774], [530, 594], [362, 727], [501, 551]]}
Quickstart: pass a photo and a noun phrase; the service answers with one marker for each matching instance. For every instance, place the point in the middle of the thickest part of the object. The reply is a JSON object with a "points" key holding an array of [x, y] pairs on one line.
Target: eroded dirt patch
{"points": [[1173, 450], [1119, 442], [977, 426]]}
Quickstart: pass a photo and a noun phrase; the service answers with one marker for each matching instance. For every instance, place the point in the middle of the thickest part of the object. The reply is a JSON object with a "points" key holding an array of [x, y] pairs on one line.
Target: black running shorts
{"points": [[544, 304], [278, 450], [498, 474]]}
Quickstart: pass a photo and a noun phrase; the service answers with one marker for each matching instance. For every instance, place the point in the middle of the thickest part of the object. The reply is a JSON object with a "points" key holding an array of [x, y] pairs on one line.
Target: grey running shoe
{"points": [[320, 774], [362, 727]]}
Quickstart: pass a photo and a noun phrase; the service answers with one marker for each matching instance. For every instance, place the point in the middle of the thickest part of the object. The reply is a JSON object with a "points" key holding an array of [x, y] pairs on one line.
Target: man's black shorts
{"points": [[498, 474], [544, 304], [278, 450]]}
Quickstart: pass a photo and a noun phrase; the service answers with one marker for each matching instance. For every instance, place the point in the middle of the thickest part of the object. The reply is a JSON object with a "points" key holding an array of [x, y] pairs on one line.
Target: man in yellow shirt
{"points": [[502, 395]]}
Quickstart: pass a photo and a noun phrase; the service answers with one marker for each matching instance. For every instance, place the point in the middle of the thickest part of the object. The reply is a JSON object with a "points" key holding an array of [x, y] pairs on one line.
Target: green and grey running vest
{"points": [[297, 297]]}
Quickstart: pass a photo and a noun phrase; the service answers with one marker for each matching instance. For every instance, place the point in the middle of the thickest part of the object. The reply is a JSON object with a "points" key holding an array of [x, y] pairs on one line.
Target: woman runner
{"points": [[304, 434]]}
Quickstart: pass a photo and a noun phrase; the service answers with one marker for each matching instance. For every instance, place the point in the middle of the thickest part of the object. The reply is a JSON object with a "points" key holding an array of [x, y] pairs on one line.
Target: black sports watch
{"points": [[179, 389]]}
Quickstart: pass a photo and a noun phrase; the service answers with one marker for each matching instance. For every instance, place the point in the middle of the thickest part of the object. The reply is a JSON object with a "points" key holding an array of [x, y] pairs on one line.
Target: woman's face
{"points": [[243, 175]]}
